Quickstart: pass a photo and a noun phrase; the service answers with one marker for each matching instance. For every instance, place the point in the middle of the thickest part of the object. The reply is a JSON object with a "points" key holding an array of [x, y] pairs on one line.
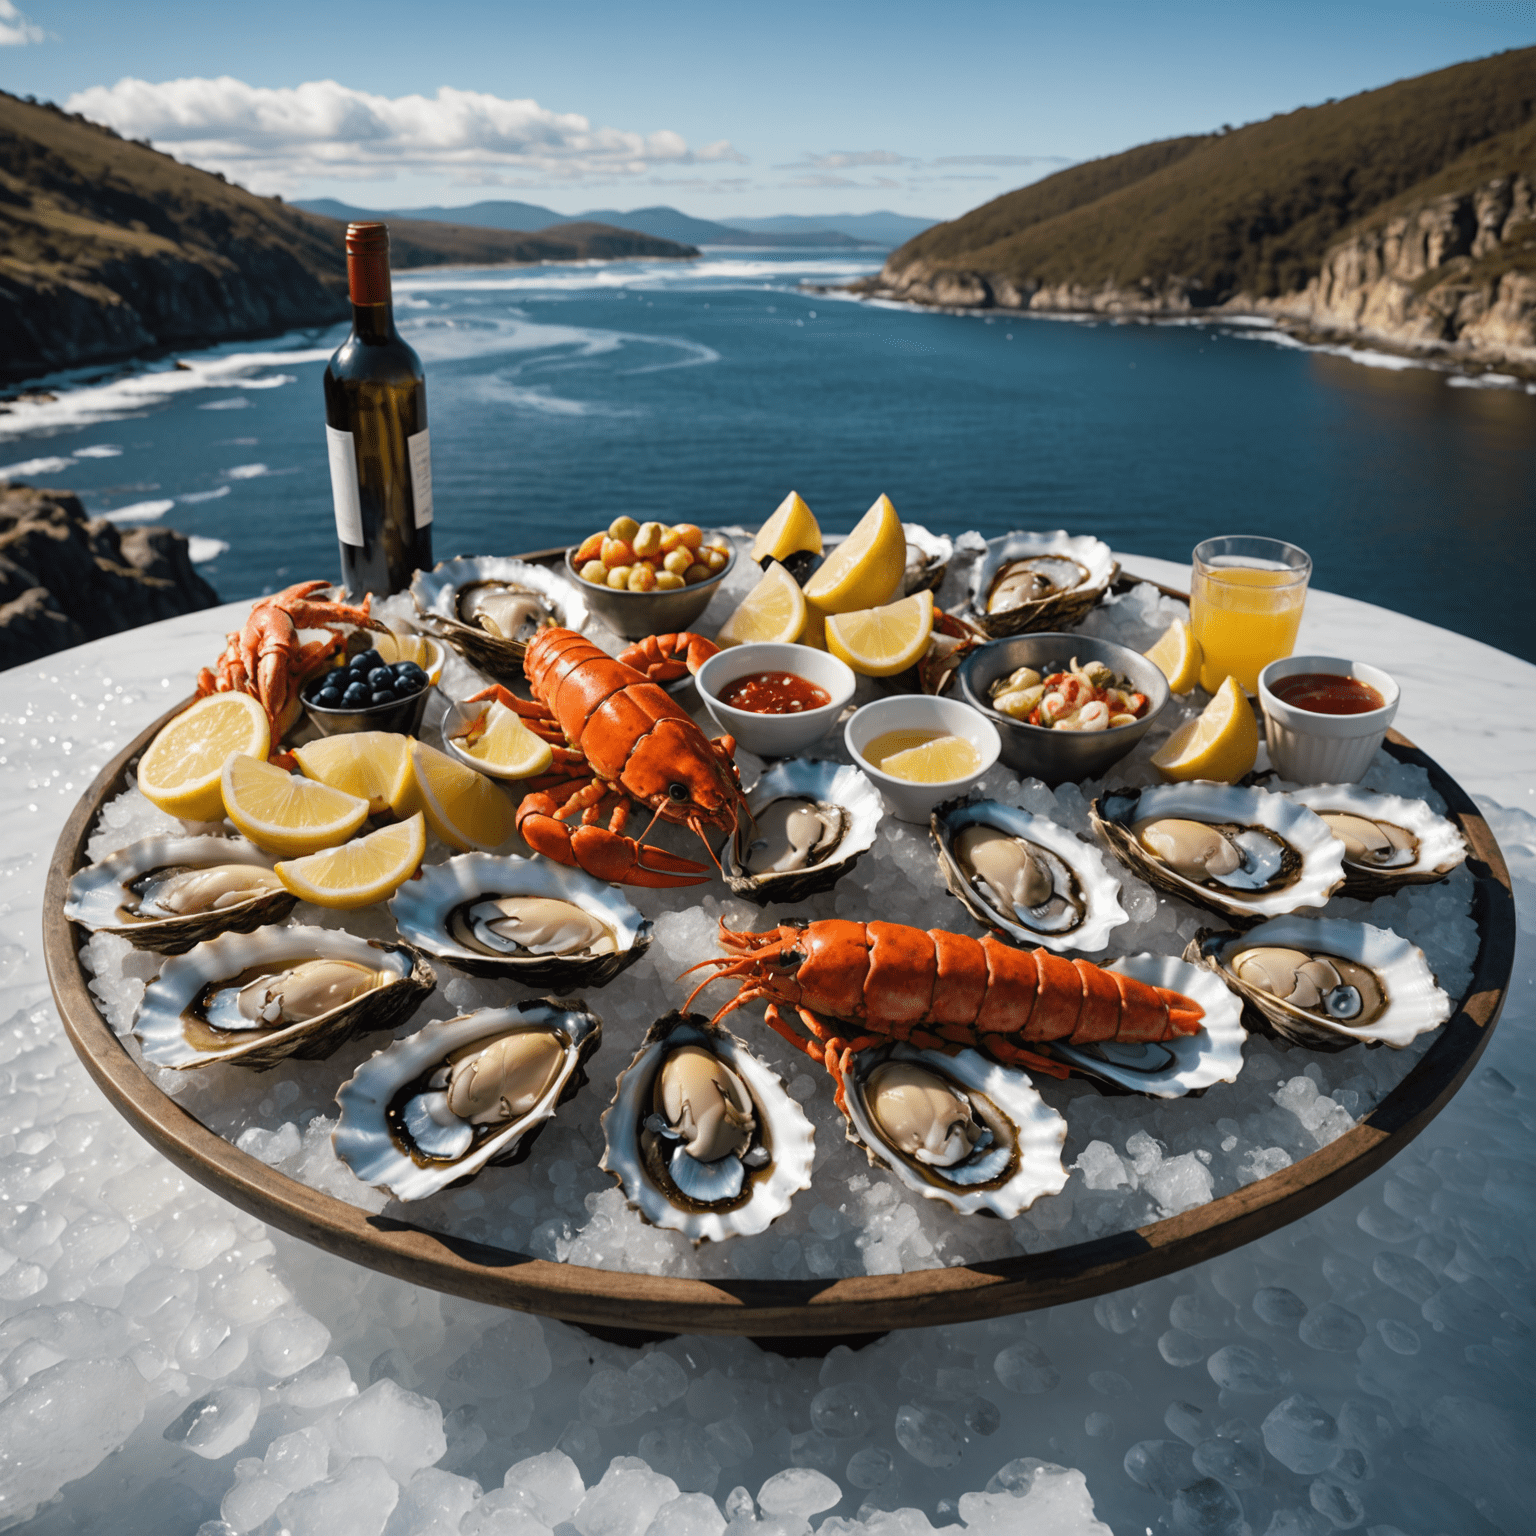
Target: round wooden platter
{"points": [[611, 1301]]}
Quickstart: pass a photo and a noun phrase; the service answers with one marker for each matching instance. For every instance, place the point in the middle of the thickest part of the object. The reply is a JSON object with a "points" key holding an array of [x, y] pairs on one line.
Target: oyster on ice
{"points": [[488, 608], [529, 920], [959, 1129], [1025, 878], [1245, 853], [464, 1093], [928, 557], [169, 893], [701, 1135], [256, 998], [1389, 842], [1037, 581], [810, 822], [1326, 982]]}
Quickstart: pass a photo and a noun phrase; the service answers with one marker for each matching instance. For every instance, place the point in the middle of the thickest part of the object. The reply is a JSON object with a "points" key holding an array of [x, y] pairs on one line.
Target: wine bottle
{"points": [[376, 431]]}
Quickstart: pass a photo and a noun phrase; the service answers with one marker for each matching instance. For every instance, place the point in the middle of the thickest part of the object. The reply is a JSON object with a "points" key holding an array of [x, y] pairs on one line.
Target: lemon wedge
{"points": [[425, 652], [1177, 656], [793, 526], [359, 873], [865, 570], [880, 642], [180, 773], [505, 746], [1220, 743], [286, 814], [464, 808], [934, 762], [372, 765], [773, 610]]}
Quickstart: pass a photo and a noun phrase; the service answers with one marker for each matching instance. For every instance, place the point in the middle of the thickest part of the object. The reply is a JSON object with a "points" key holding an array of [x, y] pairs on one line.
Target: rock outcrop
{"points": [[66, 578]]}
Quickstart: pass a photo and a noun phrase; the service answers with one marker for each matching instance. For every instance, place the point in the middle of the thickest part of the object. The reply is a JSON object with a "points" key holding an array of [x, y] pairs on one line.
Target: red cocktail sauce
{"points": [[773, 693], [1327, 693]]}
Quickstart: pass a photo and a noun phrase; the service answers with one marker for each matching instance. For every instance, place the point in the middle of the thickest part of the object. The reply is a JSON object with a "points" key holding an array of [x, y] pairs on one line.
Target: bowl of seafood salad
{"points": [[1067, 707]]}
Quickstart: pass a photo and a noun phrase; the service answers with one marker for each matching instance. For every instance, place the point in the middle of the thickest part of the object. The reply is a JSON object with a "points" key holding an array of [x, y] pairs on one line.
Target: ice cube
{"points": [[1332, 1327], [689, 1514], [798, 1491], [1300, 1435], [360, 1499], [1025, 1367], [285, 1345], [929, 1435], [553, 1485], [625, 1502], [404, 1431]]}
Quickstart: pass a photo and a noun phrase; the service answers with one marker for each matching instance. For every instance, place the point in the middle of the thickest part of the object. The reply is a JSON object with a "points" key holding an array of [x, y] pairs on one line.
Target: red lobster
{"points": [[664, 658], [858, 985], [618, 740]]}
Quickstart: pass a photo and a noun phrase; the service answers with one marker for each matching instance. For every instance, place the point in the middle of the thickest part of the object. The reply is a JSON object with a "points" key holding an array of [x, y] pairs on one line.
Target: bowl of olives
{"points": [[368, 694]]}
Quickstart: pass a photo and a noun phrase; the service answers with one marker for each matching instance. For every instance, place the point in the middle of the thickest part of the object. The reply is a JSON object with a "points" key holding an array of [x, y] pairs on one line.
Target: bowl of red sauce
{"points": [[776, 700], [1325, 717]]}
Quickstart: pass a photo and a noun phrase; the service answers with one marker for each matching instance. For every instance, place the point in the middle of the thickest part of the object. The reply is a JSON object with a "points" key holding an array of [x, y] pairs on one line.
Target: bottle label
{"points": [[419, 447], [344, 493]]}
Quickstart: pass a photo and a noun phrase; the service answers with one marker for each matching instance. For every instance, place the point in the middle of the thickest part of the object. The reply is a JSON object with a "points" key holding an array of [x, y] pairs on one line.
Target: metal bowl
{"points": [[1037, 750], [399, 715], [634, 615]]}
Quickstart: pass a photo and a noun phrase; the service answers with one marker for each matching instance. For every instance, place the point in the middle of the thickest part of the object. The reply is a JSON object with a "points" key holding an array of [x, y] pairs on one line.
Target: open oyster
{"points": [[811, 821], [1035, 581], [528, 920], [1245, 853], [1024, 877], [488, 608], [1389, 842], [1168, 1069], [1326, 982], [960, 1129], [928, 557], [169, 893], [435, 1108], [701, 1135], [256, 998]]}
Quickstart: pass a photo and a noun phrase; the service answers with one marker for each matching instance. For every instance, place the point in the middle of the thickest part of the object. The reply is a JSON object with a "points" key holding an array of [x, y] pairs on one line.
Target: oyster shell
{"points": [[435, 1108], [169, 893], [1245, 853], [959, 1129], [1169, 1069], [1035, 581], [529, 920], [928, 557], [488, 608], [1389, 842], [1326, 982], [701, 1135], [811, 821], [1025, 878], [256, 998]]}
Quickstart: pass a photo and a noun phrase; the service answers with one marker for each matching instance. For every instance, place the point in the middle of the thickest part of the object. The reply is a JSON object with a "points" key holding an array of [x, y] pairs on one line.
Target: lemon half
{"points": [[865, 570], [1177, 656], [880, 642], [507, 747], [792, 527], [1221, 742], [773, 610], [181, 771]]}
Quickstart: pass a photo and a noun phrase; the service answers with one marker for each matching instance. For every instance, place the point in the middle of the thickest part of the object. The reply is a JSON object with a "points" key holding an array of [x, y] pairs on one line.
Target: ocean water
{"points": [[562, 396]]}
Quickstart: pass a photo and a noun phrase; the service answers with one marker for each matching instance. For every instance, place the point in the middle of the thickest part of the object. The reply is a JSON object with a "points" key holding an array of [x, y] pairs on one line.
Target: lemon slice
{"points": [[1177, 656], [180, 772], [507, 747], [773, 610], [286, 814], [359, 873], [880, 642], [1220, 743], [464, 808], [425, 652], [935, 762], [792, 527], [865, 570], [372, 765]]}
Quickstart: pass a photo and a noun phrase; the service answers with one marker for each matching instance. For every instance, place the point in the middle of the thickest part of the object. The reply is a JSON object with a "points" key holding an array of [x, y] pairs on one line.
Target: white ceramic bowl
{"points": [[1310, 748], [919, 712], [775, 735]]}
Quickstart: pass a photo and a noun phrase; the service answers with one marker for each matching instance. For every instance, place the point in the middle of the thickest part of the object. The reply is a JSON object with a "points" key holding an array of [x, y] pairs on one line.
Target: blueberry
{"points": [[380, 677], [328, 698], [355, 697], [367, 661], [413, 673], [382, 696]]}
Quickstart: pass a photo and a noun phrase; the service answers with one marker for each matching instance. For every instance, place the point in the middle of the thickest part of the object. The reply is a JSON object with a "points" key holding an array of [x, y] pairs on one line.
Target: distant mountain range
{"points": [[837, 230]]}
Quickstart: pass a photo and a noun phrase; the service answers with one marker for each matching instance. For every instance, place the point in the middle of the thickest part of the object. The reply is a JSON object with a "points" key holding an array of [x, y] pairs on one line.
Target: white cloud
{"points": [[15, 30], [273, 137], [1004, 160], [847, 159]]}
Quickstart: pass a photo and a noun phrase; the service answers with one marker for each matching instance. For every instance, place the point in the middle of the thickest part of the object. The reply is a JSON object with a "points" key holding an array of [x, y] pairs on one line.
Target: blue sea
{"points": [[562, 396]]}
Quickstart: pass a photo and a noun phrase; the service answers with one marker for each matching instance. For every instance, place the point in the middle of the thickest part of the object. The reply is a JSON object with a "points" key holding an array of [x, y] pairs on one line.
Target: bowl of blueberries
{"points": [[369, 694]]}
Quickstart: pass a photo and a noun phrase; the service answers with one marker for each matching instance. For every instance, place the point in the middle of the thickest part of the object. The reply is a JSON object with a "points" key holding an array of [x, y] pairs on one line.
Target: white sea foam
{"points": [[139, 511], [43, 466], [201, 550]]}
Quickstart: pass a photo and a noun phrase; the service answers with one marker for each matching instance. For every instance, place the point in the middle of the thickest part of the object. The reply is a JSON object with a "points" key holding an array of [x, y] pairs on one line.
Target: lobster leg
{"points": [[1016, 1056], [535, 715], [600, 851]]}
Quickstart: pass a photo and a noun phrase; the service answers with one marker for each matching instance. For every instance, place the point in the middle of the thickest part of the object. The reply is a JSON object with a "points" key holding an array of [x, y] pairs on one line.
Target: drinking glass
{"points": [[1245, 600]]}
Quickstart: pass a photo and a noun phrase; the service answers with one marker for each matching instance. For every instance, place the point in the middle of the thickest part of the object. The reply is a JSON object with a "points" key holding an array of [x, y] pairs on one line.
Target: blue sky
{"points": [[720, 110]]}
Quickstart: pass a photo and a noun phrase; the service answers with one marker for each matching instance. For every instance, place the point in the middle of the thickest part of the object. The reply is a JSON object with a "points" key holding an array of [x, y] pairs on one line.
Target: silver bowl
{"points": [[1038, 750], [634, 615], [402, 716]]}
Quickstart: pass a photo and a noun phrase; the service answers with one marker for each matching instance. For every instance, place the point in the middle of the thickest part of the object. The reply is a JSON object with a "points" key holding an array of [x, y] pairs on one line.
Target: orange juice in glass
{"points": [[1245, 600]]}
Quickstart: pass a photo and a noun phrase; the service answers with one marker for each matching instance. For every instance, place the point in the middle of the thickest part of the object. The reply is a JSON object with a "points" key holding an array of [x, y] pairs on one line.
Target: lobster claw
{"points": [[664, 658], [601, 853]]}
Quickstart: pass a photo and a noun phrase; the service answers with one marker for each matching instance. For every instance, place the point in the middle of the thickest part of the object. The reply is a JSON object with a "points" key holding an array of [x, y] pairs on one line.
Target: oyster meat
{"points": [[169, 893], [1245, 853], [928, 557], [1389, 841], [701, 1135], [435, 1108], [959, 1129], [256, 998], [1025, 878], [1039, 581], [489, 608]]}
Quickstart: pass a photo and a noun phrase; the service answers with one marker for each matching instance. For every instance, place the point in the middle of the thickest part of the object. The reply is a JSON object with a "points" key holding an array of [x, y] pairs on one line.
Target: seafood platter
{"points": [[908, 930]]}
